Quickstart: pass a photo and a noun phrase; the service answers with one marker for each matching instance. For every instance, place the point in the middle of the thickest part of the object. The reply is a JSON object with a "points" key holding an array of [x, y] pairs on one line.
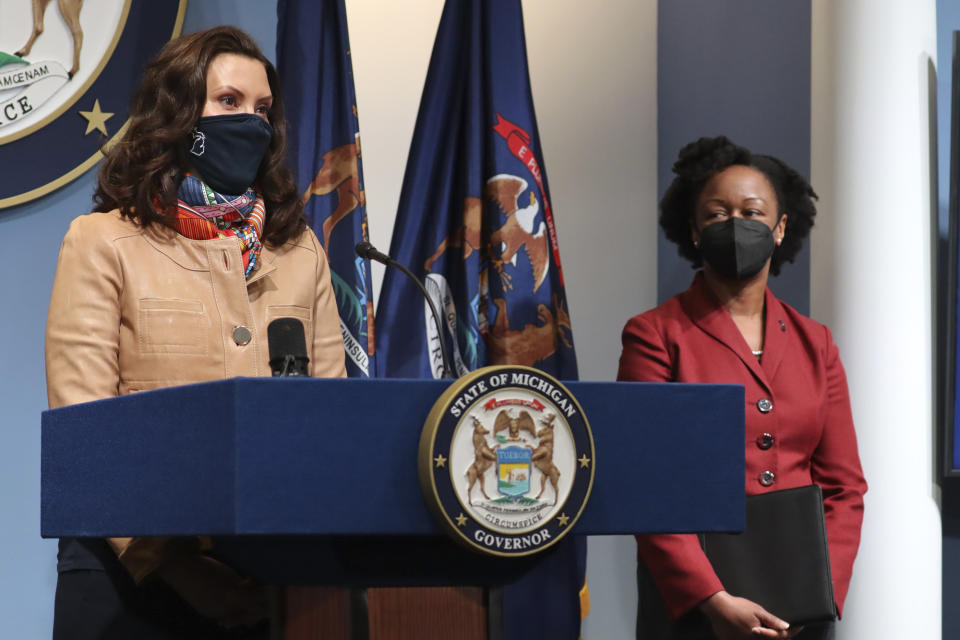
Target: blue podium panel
{"points": [[288, 457]]}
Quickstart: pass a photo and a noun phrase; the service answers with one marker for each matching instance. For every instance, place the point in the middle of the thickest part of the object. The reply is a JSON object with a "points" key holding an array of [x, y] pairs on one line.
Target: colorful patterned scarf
{"points": [[203, 214]]}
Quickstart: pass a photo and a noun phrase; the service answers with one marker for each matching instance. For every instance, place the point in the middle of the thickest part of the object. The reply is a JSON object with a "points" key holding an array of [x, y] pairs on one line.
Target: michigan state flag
{"points": [[475, 221], [313, 60]]}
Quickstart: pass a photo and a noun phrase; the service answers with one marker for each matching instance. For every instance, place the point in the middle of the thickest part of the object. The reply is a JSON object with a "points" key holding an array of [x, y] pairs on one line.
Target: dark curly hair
{"points": [[701, 160], [141, 174]]}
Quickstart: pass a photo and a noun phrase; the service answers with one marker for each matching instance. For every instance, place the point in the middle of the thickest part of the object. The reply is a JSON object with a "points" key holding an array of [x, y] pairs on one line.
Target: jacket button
{"points": [[241, 335], [764, 405], [765, 440], [767, 478]]}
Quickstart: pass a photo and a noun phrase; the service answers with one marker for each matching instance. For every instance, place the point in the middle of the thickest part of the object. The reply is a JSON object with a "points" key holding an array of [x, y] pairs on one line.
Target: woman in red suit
{"points": [[741, 216]]}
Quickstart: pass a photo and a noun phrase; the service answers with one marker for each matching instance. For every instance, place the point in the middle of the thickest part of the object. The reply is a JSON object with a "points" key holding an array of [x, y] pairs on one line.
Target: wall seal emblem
{"points": [[67, 73], [506, 460]]}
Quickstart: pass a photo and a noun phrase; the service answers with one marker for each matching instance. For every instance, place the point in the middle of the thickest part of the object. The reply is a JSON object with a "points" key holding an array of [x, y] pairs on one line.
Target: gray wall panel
{"points": [[740, 68]]}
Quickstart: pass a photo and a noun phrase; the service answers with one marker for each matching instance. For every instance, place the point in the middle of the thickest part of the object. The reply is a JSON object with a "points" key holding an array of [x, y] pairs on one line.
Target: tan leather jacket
{"points": [[135, 309]]}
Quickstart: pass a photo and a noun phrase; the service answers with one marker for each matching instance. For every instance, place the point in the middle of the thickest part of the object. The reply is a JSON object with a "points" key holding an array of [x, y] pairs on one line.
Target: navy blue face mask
{"points": [[227, 150]]}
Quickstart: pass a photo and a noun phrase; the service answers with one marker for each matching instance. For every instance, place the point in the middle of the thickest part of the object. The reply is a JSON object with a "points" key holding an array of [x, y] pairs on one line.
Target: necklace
{"points": [[757, 352]]}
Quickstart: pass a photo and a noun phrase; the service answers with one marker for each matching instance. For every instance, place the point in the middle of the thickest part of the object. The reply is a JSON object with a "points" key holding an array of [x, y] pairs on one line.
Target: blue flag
{"points": [[475, 218], [313, 60], [475, 222]]}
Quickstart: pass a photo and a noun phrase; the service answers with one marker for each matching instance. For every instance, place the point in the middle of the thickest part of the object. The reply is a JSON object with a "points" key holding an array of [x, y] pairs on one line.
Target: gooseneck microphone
{"points": [[366, 250], [288, 348]]}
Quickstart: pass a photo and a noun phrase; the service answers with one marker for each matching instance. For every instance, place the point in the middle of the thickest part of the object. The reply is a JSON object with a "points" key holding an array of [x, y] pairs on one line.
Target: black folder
{"points": [[781, 560]]}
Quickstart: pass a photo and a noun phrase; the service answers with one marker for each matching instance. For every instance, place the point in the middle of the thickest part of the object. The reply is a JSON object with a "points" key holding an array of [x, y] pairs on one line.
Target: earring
{"points": [[696, 244]]}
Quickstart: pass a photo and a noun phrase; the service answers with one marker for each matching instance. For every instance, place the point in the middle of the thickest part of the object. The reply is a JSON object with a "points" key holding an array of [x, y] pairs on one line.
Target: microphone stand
{"points": [[366, 250]]}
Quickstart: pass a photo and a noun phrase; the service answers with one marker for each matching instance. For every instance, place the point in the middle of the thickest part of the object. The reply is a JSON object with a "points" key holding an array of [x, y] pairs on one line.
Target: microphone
{"points": [[366, 250], [288, 348]]}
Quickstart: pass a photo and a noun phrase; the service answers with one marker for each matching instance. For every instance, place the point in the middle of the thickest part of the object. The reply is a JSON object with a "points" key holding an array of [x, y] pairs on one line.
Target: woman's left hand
{"points": [[734, 618]]}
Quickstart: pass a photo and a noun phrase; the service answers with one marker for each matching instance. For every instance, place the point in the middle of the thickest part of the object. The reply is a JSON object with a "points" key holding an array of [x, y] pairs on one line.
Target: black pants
{"points": [[654, 623], [107, 605]]}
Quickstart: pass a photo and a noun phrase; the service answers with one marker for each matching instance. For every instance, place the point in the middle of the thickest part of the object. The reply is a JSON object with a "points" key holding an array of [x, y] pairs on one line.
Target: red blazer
{"points": [[799, 429]]}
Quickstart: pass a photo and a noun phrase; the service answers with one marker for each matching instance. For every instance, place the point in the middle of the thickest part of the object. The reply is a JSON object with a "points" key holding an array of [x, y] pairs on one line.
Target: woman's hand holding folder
{"points": [[734, 618]]}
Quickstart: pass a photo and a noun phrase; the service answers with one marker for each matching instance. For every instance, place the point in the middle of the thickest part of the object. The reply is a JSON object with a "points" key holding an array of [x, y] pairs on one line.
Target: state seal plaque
{"points": [[506, 460], [67, 72]]}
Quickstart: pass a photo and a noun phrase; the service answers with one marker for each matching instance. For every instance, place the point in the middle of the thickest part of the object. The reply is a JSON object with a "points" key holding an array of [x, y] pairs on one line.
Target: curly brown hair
{"points": [[701, 160], [142, 172]]}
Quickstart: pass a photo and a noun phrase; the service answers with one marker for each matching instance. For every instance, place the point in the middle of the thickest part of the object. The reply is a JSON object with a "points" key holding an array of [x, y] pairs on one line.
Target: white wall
{"points": [[593, 70], [871, 283]]}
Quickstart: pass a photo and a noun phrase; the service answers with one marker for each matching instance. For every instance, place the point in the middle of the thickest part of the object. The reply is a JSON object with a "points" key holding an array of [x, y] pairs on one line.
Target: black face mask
{"points": [[737, 248], [227, 150]]}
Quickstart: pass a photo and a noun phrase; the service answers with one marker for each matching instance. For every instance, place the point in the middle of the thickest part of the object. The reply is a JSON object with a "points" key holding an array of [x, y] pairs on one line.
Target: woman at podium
{"points": [[740, 217], [198, 242]]}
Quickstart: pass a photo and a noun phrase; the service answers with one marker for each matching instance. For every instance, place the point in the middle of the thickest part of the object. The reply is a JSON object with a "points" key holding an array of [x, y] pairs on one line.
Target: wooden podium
{"points": [[314, 482]]}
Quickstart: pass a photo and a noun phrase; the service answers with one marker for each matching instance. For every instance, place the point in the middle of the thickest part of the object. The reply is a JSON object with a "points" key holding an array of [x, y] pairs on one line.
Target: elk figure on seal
{"points": [[70, 10], [542, 458], [484, 456]]}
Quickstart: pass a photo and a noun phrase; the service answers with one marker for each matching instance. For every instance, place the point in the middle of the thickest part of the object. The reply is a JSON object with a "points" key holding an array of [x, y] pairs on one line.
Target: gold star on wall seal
{"points": [[563, 519], [461, 520], [440, 460], [96, 119], [584, 461]]}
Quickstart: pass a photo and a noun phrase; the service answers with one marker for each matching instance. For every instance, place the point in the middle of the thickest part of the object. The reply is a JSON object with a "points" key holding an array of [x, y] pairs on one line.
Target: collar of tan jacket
{"points": [[195, 255]]}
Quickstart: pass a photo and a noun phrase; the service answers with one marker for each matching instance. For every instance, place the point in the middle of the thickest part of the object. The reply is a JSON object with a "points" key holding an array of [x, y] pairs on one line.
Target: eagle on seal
{"points": [[523, 422]]}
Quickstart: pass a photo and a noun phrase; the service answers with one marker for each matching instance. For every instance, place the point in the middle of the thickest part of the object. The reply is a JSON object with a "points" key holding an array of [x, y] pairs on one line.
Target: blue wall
{"points": [[31, 239]]}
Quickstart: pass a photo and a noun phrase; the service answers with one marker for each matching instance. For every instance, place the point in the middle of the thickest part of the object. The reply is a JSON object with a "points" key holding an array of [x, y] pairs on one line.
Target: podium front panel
{"points": [[295, 457]]}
